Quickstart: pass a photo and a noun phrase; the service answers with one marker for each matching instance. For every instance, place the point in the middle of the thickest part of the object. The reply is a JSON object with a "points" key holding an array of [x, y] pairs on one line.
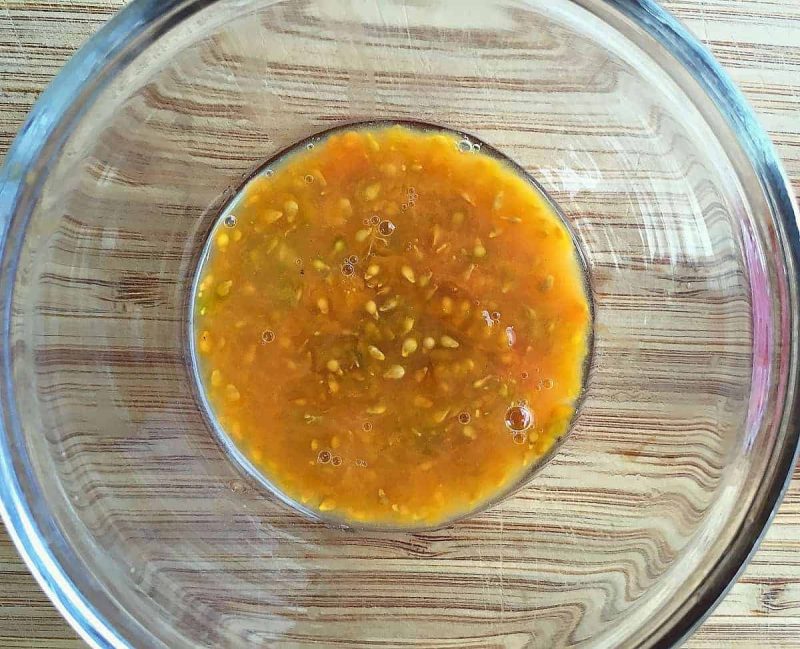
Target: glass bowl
{"points": [[135, 520]]}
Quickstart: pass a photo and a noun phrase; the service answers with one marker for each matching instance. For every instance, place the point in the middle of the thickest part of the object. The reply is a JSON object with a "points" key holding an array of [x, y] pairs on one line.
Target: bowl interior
{"points": [[223, 221], [173, 546]]}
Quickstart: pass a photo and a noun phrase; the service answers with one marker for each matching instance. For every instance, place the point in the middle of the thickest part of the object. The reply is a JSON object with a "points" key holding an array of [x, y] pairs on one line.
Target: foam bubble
{"points": [[386, 228], [519, 418]]}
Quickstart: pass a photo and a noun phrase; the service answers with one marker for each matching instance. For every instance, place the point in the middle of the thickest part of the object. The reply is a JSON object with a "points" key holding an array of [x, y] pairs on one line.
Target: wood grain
{"points": [[756, 40]]}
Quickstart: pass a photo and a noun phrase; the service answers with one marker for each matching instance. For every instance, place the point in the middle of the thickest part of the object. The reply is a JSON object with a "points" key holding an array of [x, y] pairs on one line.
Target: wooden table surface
{"points": [[758, 42]]}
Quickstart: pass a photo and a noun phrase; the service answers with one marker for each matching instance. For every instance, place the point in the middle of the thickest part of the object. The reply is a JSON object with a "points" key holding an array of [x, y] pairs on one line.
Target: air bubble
{"points": [[268, 172], [386, 228], [520, 438], [496, 316], [367, 426], [268, 336], [465, 146], [366, 221], [464, 418], [476, 146], [403, 207], [310, 146], [352, 259], [524, 375], [336, 460], [324, 457], [298, 262], [348, 269], [519, 418], [229, 221], [361, 463], [374, 219], [308, 178], [548, 384]]}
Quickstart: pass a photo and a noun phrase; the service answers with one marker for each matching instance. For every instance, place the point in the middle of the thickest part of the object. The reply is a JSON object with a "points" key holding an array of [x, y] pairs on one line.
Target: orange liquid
{"points": [[394, 330]]}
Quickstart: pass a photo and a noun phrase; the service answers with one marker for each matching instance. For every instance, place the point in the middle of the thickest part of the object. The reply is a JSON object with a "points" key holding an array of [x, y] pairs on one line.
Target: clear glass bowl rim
{"points": [[124, 37]]}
